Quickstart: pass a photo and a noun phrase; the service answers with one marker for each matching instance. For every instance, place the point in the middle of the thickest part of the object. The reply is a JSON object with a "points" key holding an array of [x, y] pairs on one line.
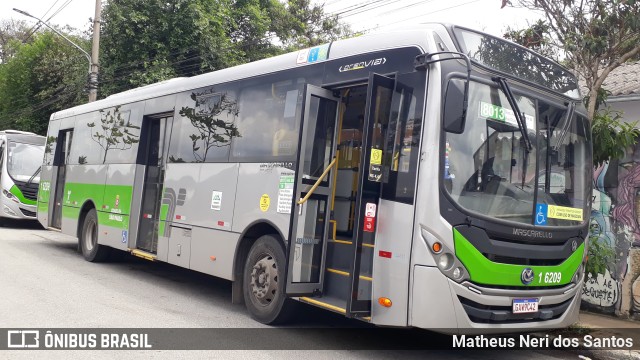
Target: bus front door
{"points": [[367, 192], [342, 258], [60, 159], [152, 153], [312, 192]]}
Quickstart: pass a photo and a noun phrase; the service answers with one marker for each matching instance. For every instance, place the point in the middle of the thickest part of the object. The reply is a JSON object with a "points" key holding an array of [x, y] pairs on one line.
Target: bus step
{"points": [[53, 229], [340, 256], [365, 277], [337, 284], [143, 254], [329, 303]]}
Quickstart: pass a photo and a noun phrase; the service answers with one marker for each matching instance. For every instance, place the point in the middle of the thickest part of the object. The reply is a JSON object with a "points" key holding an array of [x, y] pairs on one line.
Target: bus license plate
{"points": [[521, 306]]}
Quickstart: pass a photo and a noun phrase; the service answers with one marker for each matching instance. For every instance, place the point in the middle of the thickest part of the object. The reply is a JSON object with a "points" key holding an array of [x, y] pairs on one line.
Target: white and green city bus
{"points": [[20, 160], [435, 177]]}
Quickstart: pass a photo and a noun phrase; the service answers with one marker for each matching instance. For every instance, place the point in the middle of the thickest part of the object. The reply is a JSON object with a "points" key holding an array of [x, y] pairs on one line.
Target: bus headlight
{"points": [[578, 274], [444, 258], [457, 273], [445, 261], [10, 196]]}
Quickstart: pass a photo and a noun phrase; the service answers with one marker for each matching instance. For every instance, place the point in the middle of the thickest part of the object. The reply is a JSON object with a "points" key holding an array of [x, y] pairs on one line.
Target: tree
{"points": [[148, 41], [39, 78], [611, 135], [305, 24], [594, 37], [12, 34]]}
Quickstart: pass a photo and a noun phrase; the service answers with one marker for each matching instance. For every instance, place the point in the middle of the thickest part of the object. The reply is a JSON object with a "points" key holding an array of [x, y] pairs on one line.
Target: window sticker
{"points": [[216, 200], [285, 193], [265, 201]]}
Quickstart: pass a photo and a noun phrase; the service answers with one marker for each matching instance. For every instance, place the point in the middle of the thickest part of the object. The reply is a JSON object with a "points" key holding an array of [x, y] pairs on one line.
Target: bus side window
{"points": [[402, 140], [286, 136], [268, 121], [205, 126]]}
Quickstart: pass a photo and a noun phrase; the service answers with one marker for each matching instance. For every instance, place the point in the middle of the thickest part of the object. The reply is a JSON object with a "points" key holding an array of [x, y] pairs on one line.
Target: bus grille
{"points": [[28, 213], [522, 261], [487, 314], [30, 191]]}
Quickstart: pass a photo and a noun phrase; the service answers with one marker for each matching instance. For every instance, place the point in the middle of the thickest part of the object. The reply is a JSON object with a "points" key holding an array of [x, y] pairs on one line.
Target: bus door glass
{"points": [[369, 182], [315, 168], [61, 159], [156, 131]]}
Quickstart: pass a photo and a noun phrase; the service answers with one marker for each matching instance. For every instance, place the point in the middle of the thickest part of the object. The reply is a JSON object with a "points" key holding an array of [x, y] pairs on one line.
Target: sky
{"points": [[484, 15]]}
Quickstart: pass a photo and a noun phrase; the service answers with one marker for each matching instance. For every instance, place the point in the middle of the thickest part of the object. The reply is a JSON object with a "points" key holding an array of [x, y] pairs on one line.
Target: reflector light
{"points": [[437, 247], [386, 302]]}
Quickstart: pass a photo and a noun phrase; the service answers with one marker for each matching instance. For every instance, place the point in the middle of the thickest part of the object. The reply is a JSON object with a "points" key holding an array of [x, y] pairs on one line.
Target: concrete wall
{"points": [[613, 284]]}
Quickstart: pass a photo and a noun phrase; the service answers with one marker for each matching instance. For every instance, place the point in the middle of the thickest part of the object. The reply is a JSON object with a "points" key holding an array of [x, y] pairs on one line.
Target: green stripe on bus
{"points": [[104, 218], [17, 193], [114, 220], [484, 271], [114, 198], [164, 211], [43, 207], [70, 212], [43, 196]]}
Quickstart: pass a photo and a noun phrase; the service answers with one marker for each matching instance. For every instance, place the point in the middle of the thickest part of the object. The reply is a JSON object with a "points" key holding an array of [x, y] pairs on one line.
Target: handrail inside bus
{"points": [[313, 188]]}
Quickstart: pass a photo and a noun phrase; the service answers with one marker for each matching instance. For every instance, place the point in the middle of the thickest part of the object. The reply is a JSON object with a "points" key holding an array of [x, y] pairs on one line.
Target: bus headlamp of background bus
{"points": [[445, 258], [10, 196]]}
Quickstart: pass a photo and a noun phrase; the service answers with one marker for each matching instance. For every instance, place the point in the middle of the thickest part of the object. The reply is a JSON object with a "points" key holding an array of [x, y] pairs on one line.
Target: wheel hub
{"points": [[264, 279]]}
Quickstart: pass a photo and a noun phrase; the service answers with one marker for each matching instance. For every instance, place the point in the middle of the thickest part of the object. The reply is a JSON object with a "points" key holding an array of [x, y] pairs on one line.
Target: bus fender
{"points": [[250, 234]]}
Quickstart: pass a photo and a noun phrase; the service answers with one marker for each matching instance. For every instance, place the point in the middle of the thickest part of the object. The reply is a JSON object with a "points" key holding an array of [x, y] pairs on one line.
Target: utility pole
{"points": [[95, 47]]}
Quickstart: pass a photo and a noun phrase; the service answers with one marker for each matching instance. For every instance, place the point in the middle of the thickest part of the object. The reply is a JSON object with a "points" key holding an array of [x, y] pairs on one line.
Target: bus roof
{"points": [[410, 37], [25, 138]]}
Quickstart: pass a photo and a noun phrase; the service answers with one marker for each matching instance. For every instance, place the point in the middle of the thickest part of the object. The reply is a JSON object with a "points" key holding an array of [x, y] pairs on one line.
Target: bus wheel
{"points": [[91, 250], [264, 282]]}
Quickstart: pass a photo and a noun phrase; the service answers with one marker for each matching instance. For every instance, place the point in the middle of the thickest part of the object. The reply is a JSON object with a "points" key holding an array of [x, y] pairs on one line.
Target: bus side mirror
{"points": [[455, 106]]}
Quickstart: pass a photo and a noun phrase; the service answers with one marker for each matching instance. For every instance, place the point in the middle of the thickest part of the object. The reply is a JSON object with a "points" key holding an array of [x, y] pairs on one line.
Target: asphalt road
{"points": [[45, 283]]}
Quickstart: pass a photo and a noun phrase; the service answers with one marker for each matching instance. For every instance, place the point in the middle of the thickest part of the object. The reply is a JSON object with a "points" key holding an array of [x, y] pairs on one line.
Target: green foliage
{"points": [[148, 41], [40, 77], [611, 136], [534, 37], [12, 34], [594, 37], [600, 254]]}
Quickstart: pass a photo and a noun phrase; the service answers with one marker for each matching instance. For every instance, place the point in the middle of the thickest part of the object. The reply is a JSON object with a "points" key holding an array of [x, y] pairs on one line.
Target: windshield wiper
{"points": [[34, 175], [520, 119], [567, 124]]}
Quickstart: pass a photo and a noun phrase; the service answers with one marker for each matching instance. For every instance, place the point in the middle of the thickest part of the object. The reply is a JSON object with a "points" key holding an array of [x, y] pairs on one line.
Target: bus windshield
{"points": [[489, 169], [24, 160]]}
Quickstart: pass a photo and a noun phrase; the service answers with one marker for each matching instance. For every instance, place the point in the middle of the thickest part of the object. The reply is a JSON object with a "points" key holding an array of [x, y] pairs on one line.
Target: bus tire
{"points": [[264, 282], [91, 250]]}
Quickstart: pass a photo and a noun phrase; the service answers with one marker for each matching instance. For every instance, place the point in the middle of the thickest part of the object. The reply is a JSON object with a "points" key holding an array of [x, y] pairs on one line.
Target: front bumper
{"points": [[472, 309], [11, 209]]}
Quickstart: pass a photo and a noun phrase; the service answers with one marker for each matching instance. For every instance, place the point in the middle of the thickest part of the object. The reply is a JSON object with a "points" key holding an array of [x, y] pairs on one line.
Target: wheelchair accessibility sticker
{"points": [[541, 214], [545, 211]]}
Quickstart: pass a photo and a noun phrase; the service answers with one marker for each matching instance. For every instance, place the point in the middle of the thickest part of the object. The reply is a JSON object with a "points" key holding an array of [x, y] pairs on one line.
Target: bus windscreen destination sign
{"points": [[496, 112]]}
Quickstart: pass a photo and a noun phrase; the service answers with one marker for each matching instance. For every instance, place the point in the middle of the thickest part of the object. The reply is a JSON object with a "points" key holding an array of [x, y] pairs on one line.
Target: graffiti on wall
{"points": [[614, 231]]}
